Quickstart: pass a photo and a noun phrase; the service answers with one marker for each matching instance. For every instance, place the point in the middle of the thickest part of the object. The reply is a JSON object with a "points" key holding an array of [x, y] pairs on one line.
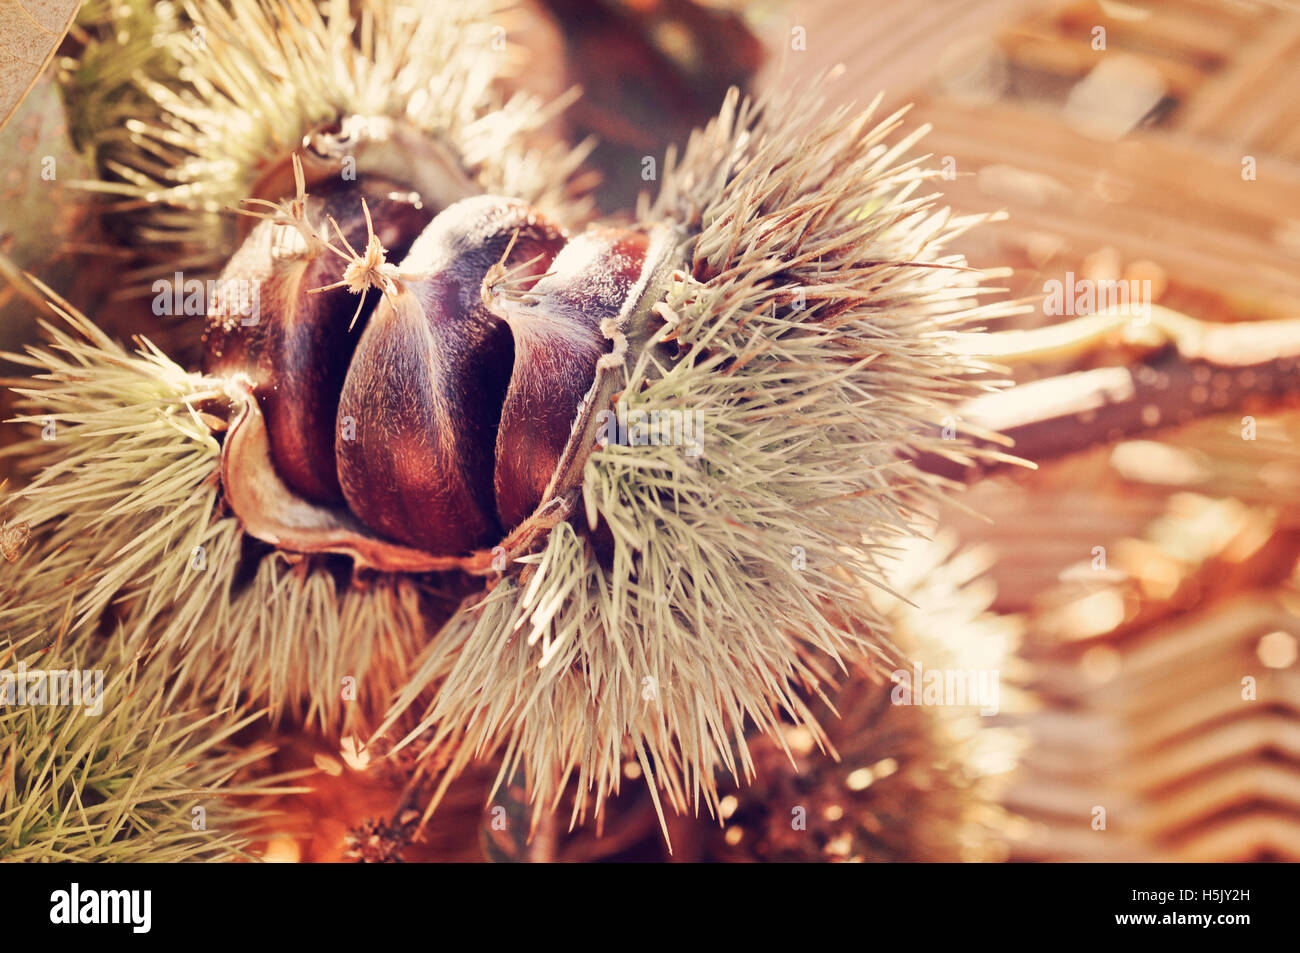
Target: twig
{"points": [[1065, 414]]}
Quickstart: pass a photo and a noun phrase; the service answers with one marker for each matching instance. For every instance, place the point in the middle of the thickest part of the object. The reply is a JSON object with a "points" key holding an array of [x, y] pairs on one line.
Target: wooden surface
{"points": [[1115, 163]]}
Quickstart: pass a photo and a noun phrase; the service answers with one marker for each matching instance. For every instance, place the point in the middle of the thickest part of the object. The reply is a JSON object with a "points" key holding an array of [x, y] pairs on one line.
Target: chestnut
{"points": [[428, 379], [558, 342], [297, 347], [450, 416]]}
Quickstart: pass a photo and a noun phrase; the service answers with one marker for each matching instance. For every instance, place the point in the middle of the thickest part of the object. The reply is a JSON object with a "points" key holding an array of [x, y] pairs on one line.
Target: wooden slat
{"points": [[1187, 210], [1215, 109]]}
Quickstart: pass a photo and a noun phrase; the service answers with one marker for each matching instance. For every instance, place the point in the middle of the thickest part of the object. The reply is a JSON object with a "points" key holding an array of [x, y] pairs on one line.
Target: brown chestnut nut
{"points": [[421, 401], [466, 401], [296, 345], [557, 338]]}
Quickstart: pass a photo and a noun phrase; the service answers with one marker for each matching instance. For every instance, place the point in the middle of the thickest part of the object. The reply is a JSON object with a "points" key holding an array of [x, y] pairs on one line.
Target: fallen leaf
{"points": [[30, 32]]}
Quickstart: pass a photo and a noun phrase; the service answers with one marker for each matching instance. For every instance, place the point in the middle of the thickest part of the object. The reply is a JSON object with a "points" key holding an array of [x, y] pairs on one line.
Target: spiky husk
{"points": [[736, 585], [126, 510], [134, 781], [121, 49], [811, 318], [907, 782], [236, 84]]}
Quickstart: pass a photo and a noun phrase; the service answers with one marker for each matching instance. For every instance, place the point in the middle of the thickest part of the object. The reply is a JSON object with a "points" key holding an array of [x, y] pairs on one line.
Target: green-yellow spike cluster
{"points": [[221, 89], [812, 354], [104, 769]]}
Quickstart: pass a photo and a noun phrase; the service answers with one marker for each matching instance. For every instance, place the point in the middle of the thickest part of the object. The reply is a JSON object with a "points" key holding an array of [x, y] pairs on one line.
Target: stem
{"points": [[1199, 368], [508, 834]]}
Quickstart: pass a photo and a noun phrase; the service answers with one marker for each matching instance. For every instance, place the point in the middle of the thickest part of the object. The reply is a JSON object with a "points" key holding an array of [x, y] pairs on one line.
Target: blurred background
{"points": [[1156, 578]]}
